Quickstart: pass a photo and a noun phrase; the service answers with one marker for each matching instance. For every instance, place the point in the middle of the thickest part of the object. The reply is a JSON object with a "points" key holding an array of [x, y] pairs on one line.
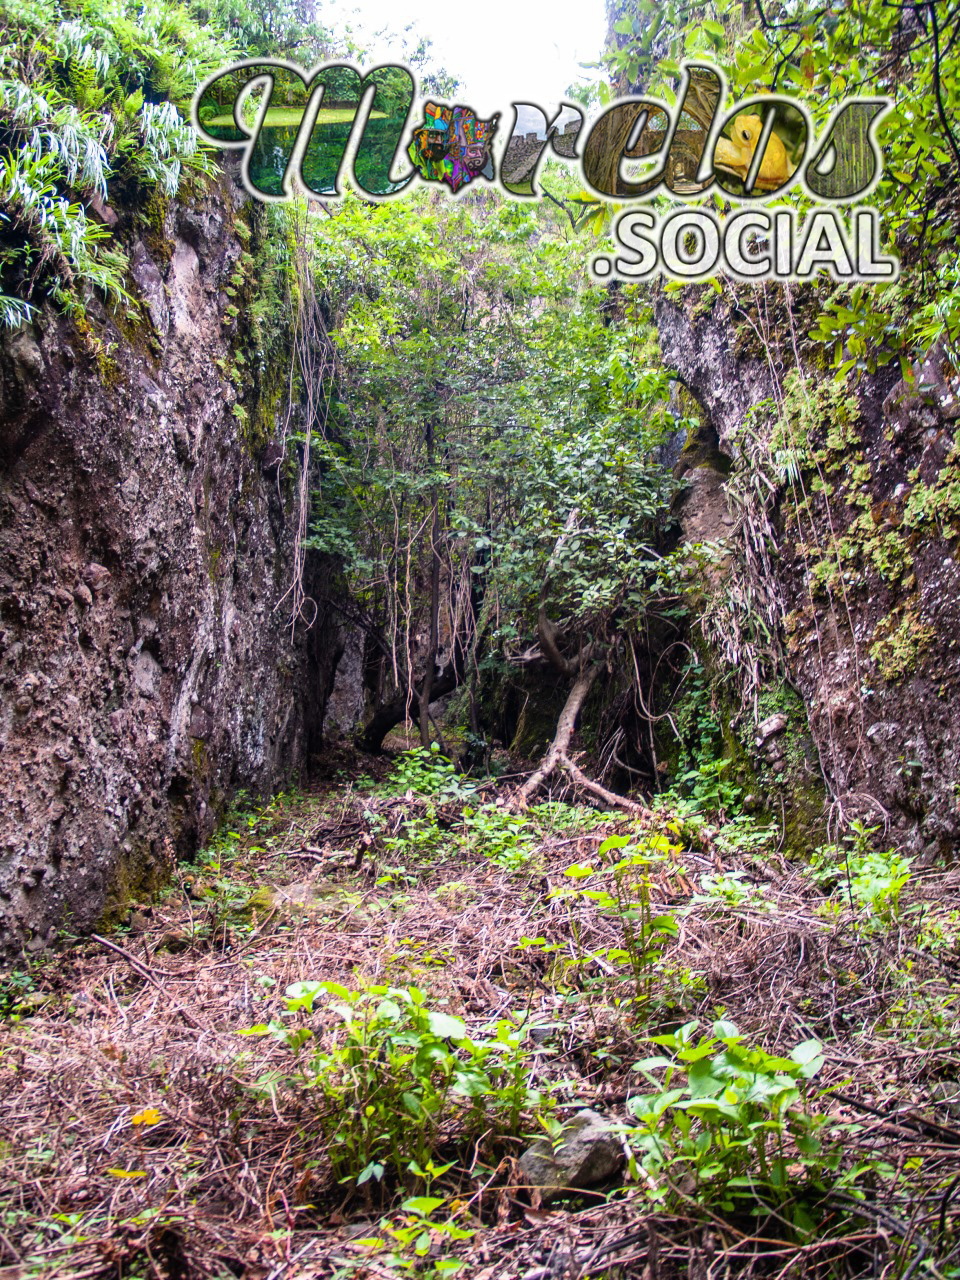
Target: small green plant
{"points": [[504, 837], [426, 772], [622, 889], [419, 1229], [876, 881], [395, 1075], [730, 1121], [900, 643], [416, 837], [15, 989], [710, 790], [868, 878], [727, 889], [939, 931]]}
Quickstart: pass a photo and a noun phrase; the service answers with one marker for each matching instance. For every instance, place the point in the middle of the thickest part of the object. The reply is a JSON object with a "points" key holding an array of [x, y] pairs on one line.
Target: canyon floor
{"points": [[183, 1098]]}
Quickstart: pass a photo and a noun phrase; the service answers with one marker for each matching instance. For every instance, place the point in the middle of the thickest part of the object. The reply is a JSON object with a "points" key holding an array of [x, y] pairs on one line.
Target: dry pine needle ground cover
{"points": [[164, 1113]]}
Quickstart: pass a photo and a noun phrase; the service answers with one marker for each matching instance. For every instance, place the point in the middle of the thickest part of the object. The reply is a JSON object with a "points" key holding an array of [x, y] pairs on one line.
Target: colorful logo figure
{"points": [[436, 135], [452, 145]]}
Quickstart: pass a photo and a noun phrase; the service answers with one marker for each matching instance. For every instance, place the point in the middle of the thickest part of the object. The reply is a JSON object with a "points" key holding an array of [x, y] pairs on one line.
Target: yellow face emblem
{"points": [[736, 154]]}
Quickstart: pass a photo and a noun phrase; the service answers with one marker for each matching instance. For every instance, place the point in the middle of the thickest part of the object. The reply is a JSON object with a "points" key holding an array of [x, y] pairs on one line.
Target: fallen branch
{"points": [[147, 975]]}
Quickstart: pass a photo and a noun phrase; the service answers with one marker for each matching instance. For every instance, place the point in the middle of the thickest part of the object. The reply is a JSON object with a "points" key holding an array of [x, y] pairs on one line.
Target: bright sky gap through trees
{"points": [[528, 52]]}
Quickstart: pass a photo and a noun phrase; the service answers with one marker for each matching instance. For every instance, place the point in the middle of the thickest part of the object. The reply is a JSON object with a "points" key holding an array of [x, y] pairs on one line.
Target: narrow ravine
{"points": [[479, 641]]}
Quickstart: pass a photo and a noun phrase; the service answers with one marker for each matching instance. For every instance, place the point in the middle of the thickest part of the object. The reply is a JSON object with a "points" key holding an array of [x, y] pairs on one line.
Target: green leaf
{"points": [[613, 842], [448, 1028], [809, 1054], [423, 1204], [301, 995], [580, 870], [651, 1064], [703, 1083], [413, 1105]]}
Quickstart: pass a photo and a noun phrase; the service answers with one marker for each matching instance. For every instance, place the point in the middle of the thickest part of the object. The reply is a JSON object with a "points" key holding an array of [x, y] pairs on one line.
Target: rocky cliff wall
{"points": [[145, 672], [862, 545]]}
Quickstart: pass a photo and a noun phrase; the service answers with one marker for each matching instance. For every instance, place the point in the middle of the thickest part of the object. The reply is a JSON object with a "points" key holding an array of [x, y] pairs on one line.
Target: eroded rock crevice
{"points": [[862, 551]]}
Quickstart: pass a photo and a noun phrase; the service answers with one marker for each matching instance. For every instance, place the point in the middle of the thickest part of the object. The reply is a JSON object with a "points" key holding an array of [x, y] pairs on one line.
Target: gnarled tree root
{"points": [[558, 758]]}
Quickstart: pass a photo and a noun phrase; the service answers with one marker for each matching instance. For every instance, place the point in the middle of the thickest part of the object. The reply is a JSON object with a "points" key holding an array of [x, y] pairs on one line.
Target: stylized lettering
{"points": [[699, 100], [823, 227], [630, 234], [848, 162], [736, 256], [522, 158], [313, 148], [870, 264], [309, 126], [625, 132], [678, 258], [750, 156]]}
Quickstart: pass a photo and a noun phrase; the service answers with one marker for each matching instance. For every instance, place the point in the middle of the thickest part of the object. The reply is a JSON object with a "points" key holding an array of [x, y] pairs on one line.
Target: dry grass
{"points": [[233, 1181]]}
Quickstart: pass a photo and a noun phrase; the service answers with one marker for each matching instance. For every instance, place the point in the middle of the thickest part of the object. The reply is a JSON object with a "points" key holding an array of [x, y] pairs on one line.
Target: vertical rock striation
{"points": [[863, 548], [145, 673]]}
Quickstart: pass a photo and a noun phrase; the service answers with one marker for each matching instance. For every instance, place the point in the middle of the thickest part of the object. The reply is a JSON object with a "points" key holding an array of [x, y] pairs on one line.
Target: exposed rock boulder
{"points": [[588, 1153]]}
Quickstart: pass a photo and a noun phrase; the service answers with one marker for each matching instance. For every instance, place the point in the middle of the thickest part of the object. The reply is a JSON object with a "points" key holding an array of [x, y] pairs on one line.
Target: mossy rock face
{"points": [[702, 449], [521, 709], [260, 903], [772, 761], [302, 897], [788, 770], [535, 730]]}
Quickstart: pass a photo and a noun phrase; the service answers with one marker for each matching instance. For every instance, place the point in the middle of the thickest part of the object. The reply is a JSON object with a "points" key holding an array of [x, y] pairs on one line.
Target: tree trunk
{"points": [[585, 672], [393, 713], [560, 745], [426, 690], [558, 754]]}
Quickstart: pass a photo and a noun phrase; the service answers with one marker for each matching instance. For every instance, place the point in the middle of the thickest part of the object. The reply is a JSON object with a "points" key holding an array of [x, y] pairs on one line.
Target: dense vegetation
{"points": [[492, 467], [587, 886]]}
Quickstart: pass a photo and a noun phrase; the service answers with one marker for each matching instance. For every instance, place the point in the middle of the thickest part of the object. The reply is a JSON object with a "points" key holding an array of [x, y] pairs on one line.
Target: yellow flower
{"points": [[150, 1116]]}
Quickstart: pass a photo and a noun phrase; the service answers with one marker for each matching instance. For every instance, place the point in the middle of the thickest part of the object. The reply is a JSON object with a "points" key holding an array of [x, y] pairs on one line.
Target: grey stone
{"points": [[348, 699], [771, 727], [588, 1153], [150, 283]]}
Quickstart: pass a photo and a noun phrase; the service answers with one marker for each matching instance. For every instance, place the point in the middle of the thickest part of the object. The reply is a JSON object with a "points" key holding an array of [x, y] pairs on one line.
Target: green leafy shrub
{"points": [[91, 99], [728, 889], [396, 1077], [729, 1121], [876, 880], [868, 878], [622, 889], [498, 834], [426, 772]]}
